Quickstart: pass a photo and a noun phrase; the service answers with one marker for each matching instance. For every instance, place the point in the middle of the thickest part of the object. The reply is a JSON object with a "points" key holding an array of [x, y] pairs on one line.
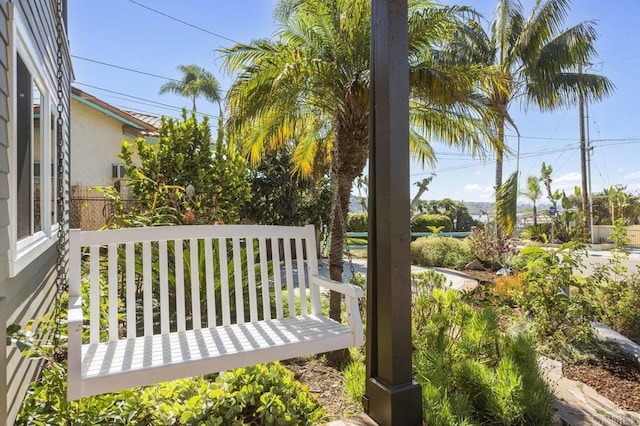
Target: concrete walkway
{"points": [[455, 279]]}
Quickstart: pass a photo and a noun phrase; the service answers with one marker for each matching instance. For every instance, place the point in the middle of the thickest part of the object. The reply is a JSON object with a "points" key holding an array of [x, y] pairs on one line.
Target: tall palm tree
{"points": [[533, 192], [195, 82], [310, 84], [540, 58]]}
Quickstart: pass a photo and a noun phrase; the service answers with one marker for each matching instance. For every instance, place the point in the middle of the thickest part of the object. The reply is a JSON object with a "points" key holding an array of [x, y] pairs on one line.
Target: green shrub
{"points": [[470, 372], [557, 300], [424, 222], [540, 232], [617, 290], [357, 222], [444, 252]]}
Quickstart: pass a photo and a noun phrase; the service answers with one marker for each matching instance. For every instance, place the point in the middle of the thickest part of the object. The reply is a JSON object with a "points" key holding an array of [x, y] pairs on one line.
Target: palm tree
{"points": [[310, 84], [195, 82], [533, 192], [539, 57]]}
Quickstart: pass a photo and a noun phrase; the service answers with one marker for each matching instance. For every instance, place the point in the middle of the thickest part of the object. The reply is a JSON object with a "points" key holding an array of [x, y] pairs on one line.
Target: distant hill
{"points": [[476, 208]]}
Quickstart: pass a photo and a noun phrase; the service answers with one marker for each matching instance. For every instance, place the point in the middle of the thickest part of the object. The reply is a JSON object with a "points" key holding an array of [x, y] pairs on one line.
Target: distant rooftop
{"points": [[154, 120]]}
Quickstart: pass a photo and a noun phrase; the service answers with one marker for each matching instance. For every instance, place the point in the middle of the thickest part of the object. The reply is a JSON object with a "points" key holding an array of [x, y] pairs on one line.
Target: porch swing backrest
{"points": [[177, 301]]}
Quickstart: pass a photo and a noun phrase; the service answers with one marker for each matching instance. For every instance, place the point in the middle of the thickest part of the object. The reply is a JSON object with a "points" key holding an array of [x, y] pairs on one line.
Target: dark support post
{"points": [[391, 396]]}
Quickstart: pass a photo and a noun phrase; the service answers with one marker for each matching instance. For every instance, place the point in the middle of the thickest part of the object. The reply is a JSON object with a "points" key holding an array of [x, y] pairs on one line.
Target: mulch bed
{"points": [[617, 380], [326, 384]]}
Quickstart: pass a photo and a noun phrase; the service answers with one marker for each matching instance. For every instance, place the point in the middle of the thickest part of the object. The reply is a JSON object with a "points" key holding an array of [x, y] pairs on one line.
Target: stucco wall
{"points": [[96, 140]]}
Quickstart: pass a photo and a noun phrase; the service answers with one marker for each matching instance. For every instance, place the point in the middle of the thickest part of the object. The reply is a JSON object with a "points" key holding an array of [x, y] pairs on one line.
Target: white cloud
{"points": [[570, 177], [621, 169], [632, 176], [474, 187], [478, 173]]}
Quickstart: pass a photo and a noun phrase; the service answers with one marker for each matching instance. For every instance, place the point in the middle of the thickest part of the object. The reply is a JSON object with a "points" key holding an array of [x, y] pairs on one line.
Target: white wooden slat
{"points": [[288, 269], [224, 282], [195, 284], [302, 280], [130, 255], [94, 296], [264, 279], [312, 269], [147, 292], [237, 275], [179, 280], [112, 295], [75, 261], [164, 287], [251, 275], [277, 279], [210, 281]]}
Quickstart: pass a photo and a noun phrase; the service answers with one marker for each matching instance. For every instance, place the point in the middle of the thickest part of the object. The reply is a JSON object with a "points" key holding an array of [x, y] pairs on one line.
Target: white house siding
{"points": [[29, 293]]}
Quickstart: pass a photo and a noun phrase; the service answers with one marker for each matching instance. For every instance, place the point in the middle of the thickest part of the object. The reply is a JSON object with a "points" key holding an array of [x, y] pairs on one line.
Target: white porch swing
{"points": [[186, 289]]}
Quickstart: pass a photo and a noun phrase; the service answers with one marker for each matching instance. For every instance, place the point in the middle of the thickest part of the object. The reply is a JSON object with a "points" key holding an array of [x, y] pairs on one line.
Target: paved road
{"points": [[597, 257]]}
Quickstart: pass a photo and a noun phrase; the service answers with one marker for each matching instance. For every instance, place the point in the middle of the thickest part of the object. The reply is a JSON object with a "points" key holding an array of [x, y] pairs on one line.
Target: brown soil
{"points": [[326, 384], [617, 380]]}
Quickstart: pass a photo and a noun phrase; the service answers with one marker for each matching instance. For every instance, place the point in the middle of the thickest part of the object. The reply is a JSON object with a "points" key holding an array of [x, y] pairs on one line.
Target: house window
{"points": [[24, 148], [118, 171], [33, 150]]}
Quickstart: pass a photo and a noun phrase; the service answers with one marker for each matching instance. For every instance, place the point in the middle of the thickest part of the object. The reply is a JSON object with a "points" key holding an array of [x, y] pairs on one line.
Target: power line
{"points": [[124, 68], [184, 22], [131, 70], [147, 102]]}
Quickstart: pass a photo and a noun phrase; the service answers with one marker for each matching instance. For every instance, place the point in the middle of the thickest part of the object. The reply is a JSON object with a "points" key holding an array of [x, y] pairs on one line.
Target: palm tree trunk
{"points": [[338, 227], [499, 155], [535, 214]]}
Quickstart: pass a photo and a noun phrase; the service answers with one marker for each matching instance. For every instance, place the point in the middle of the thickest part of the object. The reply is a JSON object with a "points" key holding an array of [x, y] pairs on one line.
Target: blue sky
{"points": [[126, 34]]}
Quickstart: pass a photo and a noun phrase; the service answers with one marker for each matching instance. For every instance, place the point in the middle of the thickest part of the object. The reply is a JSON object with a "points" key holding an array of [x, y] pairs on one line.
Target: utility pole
{"points": [[590, 197], [584, 193]]}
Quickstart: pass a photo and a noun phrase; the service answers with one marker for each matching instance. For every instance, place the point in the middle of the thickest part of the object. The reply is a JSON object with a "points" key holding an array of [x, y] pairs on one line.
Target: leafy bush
{"points": [[492, 249], [357, 222], [445, 252], [618, 290], [424, 222], [556, 299], [540, 232], [183, 173], [471, 373]]}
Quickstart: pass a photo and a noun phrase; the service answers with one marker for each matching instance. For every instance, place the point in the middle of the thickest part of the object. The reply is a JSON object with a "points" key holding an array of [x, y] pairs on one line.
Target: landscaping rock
{"points": [[476, 265]]}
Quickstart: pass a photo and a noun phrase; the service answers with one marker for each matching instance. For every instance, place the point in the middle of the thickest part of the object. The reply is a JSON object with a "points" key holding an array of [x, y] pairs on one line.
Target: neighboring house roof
{"points": [[133, 122], [154, 120]]}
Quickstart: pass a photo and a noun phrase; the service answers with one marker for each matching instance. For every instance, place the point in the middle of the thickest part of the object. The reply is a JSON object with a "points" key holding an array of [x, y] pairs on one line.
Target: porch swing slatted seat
{"points": [[178, 301]]}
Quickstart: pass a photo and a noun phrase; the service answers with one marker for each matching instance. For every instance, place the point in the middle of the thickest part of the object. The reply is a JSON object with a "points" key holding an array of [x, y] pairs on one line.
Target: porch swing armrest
{"points": [[74, 315], [343, 288]]}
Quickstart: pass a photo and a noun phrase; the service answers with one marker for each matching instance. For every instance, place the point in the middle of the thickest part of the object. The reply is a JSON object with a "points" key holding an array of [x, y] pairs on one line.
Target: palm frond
{"points": [[506, 203]]}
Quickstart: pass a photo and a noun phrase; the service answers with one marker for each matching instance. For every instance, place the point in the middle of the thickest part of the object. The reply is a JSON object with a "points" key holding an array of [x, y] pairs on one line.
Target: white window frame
{"points": [[26, 250]]}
